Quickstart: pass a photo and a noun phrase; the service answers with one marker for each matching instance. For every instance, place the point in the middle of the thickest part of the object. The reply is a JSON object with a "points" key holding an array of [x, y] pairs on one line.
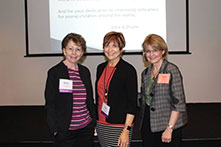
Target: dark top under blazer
{"points": [[122, 92], [165, 98], [59, 105]]}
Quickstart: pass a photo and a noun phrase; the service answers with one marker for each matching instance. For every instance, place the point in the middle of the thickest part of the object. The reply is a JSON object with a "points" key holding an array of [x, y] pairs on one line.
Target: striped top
{"points": [[80, 113]]}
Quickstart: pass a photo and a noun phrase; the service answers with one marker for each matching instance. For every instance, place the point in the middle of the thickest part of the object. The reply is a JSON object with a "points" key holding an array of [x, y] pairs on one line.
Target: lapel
{"points": [[148, 75], [101, 69], [146, 78], [63, 70], [163, 66]]}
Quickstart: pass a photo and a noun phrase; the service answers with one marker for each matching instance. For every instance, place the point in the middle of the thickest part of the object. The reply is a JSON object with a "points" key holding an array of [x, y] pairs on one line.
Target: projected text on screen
{"points": [[135, 19]]}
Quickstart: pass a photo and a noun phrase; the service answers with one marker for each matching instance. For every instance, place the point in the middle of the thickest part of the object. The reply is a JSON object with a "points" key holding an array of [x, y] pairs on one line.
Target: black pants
{"points": [[153, 139], [76, 138]]}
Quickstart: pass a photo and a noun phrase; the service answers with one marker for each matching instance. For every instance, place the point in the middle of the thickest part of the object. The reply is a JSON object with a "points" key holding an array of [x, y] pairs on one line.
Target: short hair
{"points": [[156, 42], [116, 37], [76, 38]]}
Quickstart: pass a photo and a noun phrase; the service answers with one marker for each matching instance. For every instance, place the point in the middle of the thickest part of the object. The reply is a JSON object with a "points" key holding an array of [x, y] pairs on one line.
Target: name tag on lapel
{"points": [[163, 78]]}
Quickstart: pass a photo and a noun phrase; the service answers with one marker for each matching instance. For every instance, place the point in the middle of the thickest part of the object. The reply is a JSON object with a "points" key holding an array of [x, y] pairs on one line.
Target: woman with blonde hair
{"points": [[163, 107]]}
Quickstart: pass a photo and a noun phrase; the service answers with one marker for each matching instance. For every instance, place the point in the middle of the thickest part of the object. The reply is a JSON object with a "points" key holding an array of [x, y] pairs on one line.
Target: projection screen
{"points": [[48, 21]]}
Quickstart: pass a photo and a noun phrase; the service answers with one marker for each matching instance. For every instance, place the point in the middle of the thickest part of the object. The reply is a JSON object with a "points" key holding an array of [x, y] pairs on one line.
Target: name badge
{"points": [[65, 86], [105, 110], [163, 78]]}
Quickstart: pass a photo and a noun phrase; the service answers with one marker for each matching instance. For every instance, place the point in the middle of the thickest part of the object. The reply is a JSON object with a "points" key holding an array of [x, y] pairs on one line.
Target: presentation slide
{"points": [[50, 20], [135, 19]]}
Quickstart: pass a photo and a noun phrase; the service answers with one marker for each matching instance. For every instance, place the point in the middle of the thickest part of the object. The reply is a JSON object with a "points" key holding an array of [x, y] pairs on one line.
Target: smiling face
{"points": [[154, 56], [113, 45], [154, 48], [112, 52], [72, 52]]}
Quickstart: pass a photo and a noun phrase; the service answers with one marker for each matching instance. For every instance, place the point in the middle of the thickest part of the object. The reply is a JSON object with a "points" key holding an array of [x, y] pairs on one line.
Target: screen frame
{"points": [[28, 54]]}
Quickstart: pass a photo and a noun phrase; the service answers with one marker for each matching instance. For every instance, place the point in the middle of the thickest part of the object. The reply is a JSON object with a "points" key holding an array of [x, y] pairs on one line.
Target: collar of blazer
{"points": [[163, 69]]}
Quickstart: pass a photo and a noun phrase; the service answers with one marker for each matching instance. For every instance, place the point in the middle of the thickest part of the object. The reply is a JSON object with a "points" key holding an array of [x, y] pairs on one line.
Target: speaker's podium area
{"points": [[26, 126]]}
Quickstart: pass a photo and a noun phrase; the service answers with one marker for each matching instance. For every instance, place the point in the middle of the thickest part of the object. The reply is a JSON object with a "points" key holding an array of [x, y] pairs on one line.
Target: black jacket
{"points": [[122, 94], [59, 105]]}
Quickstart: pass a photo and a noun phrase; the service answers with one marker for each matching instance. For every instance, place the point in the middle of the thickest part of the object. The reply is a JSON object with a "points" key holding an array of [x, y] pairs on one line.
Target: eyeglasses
{"points": [[76, 49], [152, 51]]}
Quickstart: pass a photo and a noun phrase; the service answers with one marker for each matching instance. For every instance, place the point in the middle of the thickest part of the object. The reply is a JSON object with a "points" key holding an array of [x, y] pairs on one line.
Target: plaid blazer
{"points": [[164, 98]]}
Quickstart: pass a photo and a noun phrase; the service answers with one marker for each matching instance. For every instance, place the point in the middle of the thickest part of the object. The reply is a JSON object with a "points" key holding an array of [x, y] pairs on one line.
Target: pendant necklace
{"points": [[108, 80]]}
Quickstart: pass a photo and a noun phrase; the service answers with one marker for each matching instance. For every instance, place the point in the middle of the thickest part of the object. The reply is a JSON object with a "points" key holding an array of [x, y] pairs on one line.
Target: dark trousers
{"points": [[76, 138], [153, 139]]}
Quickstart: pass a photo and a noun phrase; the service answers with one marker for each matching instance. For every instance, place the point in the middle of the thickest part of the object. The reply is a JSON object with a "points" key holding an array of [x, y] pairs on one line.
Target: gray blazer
{"points": [[164, 98]]}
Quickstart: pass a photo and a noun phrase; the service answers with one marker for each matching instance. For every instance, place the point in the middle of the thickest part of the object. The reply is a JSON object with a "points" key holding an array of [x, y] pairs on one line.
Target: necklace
{"points": [[154, 73], [108, 80]]}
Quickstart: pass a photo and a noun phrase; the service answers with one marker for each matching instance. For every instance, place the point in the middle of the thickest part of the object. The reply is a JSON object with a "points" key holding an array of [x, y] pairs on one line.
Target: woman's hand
{"points": [[123, 140], [167, 135]]}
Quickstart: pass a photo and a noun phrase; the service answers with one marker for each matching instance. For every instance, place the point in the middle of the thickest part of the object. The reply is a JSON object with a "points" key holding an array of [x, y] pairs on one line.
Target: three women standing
{"points": [[70, 105]]}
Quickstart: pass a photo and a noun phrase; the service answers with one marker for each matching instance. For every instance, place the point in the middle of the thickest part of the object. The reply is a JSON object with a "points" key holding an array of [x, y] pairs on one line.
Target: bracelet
{"points": [[170, 126], [127, 128]]}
